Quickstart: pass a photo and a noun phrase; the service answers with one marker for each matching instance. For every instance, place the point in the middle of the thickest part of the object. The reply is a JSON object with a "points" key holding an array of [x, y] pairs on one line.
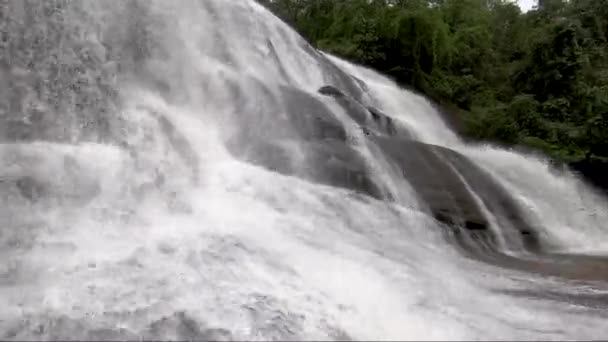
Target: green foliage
{"points": [[538, 79]]}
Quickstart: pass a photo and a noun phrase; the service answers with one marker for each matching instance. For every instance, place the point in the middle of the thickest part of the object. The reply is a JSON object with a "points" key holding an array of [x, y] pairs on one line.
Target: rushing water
{"points": [[123, 214]]}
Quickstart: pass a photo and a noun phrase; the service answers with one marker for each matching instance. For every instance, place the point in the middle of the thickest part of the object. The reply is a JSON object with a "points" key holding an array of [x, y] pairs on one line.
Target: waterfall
{"points": [[196, 170]]}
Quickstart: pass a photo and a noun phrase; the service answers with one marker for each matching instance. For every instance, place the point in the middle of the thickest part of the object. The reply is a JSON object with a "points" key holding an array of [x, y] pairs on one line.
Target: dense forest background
{"points": [[537, 79]]}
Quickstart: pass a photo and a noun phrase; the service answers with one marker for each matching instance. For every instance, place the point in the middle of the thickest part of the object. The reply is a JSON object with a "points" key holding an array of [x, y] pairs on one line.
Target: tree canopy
{"points": [[536, 79]]}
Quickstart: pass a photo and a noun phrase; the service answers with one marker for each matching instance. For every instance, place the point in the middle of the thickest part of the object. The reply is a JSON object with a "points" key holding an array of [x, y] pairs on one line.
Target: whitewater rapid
{"points": [[149, 227]]}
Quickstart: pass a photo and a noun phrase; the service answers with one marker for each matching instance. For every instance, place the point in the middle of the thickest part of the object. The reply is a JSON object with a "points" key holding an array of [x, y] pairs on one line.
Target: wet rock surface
{"points": [[456, 191], [372, 120], [453, 188]]}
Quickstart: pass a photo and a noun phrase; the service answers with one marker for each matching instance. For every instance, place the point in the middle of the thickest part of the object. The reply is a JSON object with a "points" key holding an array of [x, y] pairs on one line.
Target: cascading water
{"points": [[170, 170]]}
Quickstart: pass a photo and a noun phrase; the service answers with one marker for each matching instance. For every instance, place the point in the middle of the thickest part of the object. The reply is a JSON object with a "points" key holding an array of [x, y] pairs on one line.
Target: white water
{"points": [[575, 216], [261, 255]]}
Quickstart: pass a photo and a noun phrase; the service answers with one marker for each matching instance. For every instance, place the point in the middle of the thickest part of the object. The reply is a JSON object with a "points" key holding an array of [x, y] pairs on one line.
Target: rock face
{"points": [[371, 120], [456, 190], [313, 144], [439, 184], [330, 162]]}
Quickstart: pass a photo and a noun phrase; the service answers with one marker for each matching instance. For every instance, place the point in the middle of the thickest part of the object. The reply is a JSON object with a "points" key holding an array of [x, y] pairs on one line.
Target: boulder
{"points": [[435, 180], [456, 190], [517, 232]]}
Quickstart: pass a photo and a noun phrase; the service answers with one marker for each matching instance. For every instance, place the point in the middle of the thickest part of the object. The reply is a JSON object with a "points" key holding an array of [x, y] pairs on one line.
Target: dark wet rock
{"points": [[331, 91], [343, 80], [336, 164], [435, 181], [353, 108], [372, 120], [304, 117], [273, 155], [257, 116], [310, 117], [309, 142], [444, 179], [456, 191], [330, 162], [515, 229], [360, 83], [335, 76], [597, 301], [387, 125], [454, 188], [580, 269]]}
